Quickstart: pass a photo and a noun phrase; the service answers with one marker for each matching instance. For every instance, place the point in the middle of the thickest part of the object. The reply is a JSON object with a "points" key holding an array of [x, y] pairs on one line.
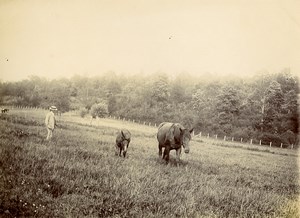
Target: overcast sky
{"points": [[60, 38]]}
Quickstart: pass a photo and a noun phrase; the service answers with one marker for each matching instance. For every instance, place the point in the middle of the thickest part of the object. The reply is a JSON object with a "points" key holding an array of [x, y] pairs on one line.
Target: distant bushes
{"points": [[266, 138], [246, 133], [287, 138]]}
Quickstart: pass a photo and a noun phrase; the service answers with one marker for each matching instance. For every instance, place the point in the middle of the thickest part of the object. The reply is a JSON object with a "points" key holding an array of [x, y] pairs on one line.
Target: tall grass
{"points": [[78, 175]]}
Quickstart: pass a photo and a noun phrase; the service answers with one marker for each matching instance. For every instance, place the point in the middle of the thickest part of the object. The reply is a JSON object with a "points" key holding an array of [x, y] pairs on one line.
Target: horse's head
{"points": [[185, 137]]}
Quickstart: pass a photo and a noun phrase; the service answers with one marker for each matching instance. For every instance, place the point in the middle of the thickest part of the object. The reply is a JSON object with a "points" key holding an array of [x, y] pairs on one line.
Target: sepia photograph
{"points": [[149, 108]]}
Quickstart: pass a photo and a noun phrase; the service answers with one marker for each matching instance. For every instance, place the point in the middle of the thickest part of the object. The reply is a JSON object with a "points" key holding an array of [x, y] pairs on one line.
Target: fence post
{"points": [[270, 144], [200, 134], [155, 124], [292, 146], [232, 139], [149, 124], [241, 139], [216, 136], [281, 145], [207, 135], [259, 142], [225, 138], [250, 141]]}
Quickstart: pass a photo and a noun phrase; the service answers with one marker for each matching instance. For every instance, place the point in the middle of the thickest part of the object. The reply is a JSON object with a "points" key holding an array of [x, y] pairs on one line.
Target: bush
{"points": [[99, 110], [83, 112], [289, 137], [227, 128], [266, 138], [245, 133]]}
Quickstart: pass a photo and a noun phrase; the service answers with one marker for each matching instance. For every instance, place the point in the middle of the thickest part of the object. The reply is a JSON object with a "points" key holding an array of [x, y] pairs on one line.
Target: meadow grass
{"points": [[78, 175]]}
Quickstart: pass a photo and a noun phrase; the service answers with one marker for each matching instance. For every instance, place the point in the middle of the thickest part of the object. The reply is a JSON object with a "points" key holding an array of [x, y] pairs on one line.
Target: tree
{"points": [[287, 81], [113, 88], [112, 105], [178, 92], [273, 107], [160, 91], [58, 94], [227, 105], [289, 115], [261, 82]]}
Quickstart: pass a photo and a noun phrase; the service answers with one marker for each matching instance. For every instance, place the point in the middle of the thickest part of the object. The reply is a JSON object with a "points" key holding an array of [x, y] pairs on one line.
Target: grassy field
{"points": [[78, 175]]}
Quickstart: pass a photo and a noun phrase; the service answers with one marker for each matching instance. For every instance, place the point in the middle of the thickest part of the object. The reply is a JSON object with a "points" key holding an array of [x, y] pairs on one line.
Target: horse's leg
{"points": [[116, 149], [120, 151], [178, 153], [167, 154], [159, 150], [125, 150]]}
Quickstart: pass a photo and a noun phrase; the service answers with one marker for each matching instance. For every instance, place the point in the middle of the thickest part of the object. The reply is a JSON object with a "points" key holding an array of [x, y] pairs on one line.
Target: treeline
{"points": [[263, 107]]}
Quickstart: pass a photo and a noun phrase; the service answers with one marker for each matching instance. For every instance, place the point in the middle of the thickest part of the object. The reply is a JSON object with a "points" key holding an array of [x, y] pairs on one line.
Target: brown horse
{"points": [[122, 142], [173, 136]]}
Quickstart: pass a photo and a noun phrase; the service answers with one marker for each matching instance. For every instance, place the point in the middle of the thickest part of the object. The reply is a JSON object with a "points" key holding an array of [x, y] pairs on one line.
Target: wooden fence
{"points": [[200, 135], [213, 136], [241, 140]]}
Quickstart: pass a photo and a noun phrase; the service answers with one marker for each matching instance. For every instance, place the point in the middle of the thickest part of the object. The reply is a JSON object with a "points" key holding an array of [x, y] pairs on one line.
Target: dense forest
{"points": [[263, 106]]}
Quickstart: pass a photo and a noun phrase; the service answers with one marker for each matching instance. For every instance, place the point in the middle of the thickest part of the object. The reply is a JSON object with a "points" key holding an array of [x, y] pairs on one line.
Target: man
{"points": [[50, 122]]}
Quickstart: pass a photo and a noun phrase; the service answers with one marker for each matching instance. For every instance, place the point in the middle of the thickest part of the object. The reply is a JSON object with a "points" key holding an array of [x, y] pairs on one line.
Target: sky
{"points": [[61, 38]]}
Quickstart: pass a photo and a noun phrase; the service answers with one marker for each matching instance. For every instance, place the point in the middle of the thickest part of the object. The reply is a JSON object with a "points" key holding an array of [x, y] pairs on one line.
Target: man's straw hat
{"points": [[53, 108]]}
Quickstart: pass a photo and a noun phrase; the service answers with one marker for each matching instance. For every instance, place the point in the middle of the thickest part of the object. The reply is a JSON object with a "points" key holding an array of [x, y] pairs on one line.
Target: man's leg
{"points": [[49, 135]]}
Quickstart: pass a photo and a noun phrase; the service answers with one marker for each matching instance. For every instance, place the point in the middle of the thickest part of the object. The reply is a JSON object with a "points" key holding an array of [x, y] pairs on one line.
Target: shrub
{"points": [[83, 112], [289, 137], [266, 138], [99, 110], [244, 133]]}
